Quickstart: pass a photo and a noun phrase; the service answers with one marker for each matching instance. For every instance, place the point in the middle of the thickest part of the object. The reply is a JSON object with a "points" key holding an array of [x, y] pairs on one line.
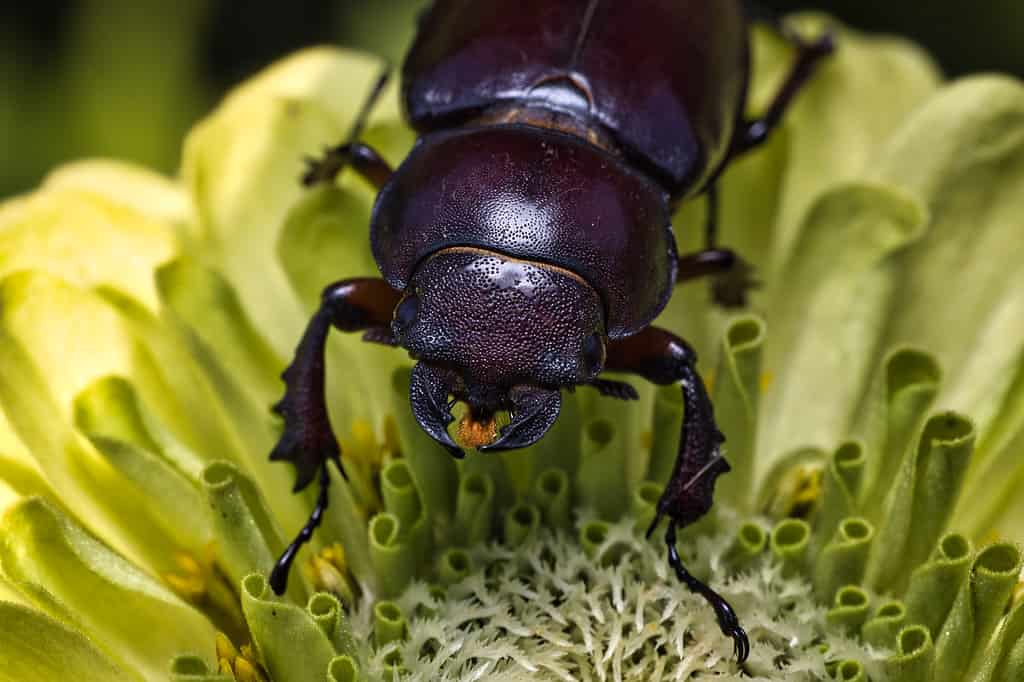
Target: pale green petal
{"points": [[837, 124], [85, 238], [39, 649], [20, 478], [883, 628], [147, 192], [248, 536], [961, 289], [292, 646], [241, 371], [920, 500], [736, 395], [850, 610], [749, 543], [935, 584], [666, 425], [894, 409], [402, 498], [521, 521], [188, 668], [392, 557], [842, 560], [172, 381], [991, 501], [553, 493], [602, 483], [242, 166], [915, 654], [560, 446], [994, 654], [843, 472], [840, 121], [36, 392], [828, 312], [332, 620], [631, 420], [976, 613], [75, 578], [474, 509], [109, 414], [202, 301], [343, 669]]}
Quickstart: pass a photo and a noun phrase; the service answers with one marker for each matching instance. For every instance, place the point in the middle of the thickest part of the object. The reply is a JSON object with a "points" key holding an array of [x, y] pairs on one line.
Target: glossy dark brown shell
{"points": [[666, 78], [536, 195]]}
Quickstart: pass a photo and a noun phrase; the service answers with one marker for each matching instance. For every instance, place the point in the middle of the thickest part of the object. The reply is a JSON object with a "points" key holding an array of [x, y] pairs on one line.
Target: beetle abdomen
{"points": [[666, 78], [536, 195]]}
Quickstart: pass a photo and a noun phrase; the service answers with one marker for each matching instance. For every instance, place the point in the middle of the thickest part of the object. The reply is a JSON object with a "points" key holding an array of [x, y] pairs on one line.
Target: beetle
{"points": [[525, 243]]}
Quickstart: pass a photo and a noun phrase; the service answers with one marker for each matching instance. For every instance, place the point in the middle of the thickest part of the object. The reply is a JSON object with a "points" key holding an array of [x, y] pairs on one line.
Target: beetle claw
{"points": [[534, 410], [428, 396], [731, 289]]}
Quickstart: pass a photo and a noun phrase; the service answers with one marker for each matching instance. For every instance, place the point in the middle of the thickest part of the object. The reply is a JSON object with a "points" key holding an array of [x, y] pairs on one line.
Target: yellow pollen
{"points": [[328, 571], [474, 434], [241, 663]]}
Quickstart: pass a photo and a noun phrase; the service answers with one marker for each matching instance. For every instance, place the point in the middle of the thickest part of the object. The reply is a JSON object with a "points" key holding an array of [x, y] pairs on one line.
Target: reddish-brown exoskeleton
{"points": [[525, 244]]}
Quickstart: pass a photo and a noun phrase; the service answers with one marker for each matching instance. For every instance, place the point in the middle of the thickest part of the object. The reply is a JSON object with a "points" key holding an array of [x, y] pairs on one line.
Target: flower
{"points": [[872, 399]]}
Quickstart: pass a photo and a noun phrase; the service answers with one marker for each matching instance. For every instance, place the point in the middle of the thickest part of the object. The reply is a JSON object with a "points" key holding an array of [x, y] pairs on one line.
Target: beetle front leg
{"points": [[362, 304], [663, 358]]}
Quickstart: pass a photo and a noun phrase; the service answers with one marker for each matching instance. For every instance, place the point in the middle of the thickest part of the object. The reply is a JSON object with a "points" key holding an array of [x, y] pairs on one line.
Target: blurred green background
{"points": [[126, 78]]}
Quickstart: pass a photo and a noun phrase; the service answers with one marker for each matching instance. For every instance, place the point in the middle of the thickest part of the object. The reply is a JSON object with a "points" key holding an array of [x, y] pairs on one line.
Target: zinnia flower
{"points": [[872, 396]]}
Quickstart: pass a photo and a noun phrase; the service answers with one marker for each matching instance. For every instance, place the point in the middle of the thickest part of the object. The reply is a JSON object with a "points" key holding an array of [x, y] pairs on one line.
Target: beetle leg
{"points": [[279, 575], [732, 277], [808, 56], [363, 159], [308, 440], [663, 358], [619, 390]]}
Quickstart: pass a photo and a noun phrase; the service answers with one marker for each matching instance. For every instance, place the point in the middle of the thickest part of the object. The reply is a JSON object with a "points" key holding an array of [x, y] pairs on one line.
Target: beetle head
{"points": [[498, 334]]}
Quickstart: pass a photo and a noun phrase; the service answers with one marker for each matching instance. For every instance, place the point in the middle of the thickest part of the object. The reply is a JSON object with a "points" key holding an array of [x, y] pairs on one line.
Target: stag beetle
{"points": [[525, 243]]}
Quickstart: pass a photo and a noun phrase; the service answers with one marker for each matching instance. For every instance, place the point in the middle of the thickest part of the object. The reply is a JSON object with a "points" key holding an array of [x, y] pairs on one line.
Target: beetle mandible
{"points": [[525, 243]]}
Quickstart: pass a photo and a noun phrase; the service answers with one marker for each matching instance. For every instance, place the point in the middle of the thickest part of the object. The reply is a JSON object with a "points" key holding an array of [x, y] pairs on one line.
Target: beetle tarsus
{"points": [[731, 289], [325, 167], [726, 616], [620, 390], [279, 575]]}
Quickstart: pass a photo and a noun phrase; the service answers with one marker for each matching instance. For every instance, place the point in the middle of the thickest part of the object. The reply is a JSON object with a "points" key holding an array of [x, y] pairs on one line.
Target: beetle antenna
{"points": [[368, 104]]}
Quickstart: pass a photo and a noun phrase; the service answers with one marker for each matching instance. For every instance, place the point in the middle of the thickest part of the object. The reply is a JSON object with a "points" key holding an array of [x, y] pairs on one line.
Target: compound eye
{"points": [[406, 311], [593, 353]]}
